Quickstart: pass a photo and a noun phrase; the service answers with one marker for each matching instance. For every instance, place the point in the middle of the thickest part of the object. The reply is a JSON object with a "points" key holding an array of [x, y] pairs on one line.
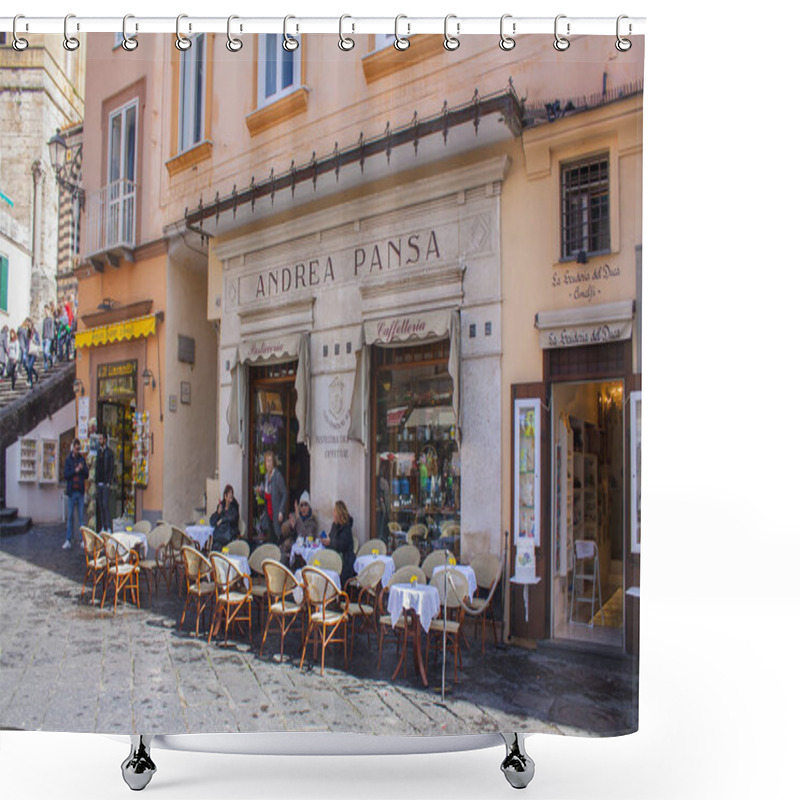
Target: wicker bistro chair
{"points": [[417, 535], [173, 563], [155, 564], [370, 545], [199, 574], [446, 631], [435, 559], [143, 526], [328, 612], [271, 551], [488, 573], [325, 558], [406, 555], [233, 596], [403, 575], [239, 547], [122, 570], [280, 586], [94, 553], [363, 591]]}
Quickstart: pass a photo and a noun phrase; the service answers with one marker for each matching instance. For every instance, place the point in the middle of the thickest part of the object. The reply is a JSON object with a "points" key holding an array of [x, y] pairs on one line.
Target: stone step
{"points": [[15, 527], [8, 514]]}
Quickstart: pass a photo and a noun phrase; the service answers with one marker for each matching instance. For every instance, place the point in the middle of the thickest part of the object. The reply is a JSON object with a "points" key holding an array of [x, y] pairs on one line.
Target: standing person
{"points": [[34, 346], [72, 314], [13, 357], [225, 519], [22, 341], [3, 350], [383, 487], [303, 522], [340, 539], [62, 322], [48, 337], [275, 495], [103, 478], [75, 474]]}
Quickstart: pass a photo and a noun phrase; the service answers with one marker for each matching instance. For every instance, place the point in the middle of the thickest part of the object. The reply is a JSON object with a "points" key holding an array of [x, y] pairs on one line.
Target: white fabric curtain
{"points": [[271, 351], [397, 332]]}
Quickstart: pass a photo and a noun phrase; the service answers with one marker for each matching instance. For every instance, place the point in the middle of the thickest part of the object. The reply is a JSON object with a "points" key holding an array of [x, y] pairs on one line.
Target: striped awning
{"points": [[108, 334]]}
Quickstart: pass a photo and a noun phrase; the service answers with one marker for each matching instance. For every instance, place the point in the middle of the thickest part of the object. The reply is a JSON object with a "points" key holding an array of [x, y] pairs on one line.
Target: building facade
{"points": [[41, 91], [406, 287]]}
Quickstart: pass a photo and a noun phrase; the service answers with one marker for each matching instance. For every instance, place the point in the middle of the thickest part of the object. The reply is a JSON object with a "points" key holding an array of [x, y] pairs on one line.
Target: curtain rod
{"points": [[348, 25]]}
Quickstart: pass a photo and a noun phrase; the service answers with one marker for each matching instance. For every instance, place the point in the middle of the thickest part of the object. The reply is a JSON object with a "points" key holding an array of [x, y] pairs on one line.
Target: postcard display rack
{"points": [[403, 216]]}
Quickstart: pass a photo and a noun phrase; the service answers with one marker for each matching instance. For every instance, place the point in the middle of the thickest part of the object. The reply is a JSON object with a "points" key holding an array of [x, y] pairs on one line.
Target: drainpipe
{"points": [[36, 238]]}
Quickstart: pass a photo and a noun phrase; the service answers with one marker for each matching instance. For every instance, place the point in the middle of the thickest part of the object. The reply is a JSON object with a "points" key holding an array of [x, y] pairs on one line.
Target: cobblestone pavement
{"points": [[67, 665]]}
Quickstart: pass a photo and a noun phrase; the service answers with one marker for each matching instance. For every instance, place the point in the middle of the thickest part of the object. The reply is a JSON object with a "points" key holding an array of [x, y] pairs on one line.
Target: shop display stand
{"points": [[28, 460], [138, 768]]}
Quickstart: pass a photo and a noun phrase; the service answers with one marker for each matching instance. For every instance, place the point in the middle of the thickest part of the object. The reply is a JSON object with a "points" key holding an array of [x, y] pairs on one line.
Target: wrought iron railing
{"points": [[111, 218]]}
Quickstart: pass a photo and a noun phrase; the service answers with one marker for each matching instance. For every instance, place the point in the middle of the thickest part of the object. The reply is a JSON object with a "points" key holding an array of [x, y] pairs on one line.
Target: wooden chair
{"points": [[446, 631], [173, 562], [271, 551], [199, 574], [370, 545], [280, 585], [403, 575], [239, 547], [233, 596], [242, 527], [435, 559], [94, 553], [328, 612], [417, 535], [488, 573], [363, 591], [143, 526], [122, 570], [325, 558], [406, 555], [155, 564]]}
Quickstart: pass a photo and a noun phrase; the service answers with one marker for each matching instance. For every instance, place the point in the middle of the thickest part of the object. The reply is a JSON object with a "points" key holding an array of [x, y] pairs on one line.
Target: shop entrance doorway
{"points": [[115, 417], [588, 468], [274, 426]]}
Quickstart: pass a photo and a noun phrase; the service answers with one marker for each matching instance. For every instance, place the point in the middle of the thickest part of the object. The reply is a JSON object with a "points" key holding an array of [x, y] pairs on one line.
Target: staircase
{"points": [[21, 410], [11, 524]]}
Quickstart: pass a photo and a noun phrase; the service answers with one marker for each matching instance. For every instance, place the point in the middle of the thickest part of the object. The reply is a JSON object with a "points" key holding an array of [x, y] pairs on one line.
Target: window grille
{"points": [[585, 219]]}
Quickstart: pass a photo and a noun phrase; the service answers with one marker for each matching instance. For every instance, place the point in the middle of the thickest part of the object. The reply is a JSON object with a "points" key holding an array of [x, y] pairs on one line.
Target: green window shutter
{"points": [[3, 283]]}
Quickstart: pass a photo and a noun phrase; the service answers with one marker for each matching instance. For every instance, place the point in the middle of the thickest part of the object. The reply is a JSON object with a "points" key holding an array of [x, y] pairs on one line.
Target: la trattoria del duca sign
{"points": [[408, 251]]}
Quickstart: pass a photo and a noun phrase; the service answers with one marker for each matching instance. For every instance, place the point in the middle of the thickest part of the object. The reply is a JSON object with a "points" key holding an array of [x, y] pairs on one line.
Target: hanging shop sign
{"points": [[108, 334], [116, 380]]}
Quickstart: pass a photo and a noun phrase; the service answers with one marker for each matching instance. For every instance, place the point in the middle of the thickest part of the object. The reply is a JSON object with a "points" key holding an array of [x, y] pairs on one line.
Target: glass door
{"points": [[117, 421], [120, 218]]}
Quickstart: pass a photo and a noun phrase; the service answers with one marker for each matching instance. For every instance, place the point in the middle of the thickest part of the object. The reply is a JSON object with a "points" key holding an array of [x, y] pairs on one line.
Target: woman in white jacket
{"points": [[13, 357]]}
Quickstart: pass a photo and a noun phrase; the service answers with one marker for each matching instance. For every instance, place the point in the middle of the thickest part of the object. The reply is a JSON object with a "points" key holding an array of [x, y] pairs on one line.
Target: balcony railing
{"points": [[111, 218]]}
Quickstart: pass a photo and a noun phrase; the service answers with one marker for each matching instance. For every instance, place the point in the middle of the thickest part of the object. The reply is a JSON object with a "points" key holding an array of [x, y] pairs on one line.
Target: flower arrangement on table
{"points": [[413, 580]]}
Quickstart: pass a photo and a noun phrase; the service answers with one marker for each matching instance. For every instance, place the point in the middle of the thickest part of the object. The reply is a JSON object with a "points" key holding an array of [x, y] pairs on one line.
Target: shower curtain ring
{"points": [[623, 45], [70, 42], [400, 42], [290, 44], [19, 43], [233, 44], [507, 42], [129, 42], [345, 42], [181, 42], [451, 42], [560, 43]]}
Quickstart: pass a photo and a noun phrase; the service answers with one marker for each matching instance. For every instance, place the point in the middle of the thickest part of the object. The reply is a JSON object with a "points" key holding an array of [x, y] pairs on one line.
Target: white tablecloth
{"points": [[467, 572], [305, 551], [388, 565], [298, 590], [239, 561], [133, 540], [421, 598], [200, 533]]}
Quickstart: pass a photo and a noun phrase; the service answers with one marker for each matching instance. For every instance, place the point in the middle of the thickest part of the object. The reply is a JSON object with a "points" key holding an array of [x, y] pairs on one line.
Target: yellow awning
{"points": [[107, 334]]}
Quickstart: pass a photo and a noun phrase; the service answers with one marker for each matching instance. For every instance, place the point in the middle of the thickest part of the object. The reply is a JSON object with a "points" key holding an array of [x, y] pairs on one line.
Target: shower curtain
{"points": [[411, 275]]}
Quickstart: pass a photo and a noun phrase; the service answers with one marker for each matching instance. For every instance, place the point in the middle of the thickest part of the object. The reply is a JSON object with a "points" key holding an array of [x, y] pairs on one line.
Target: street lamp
{"points": [[58, 156]]}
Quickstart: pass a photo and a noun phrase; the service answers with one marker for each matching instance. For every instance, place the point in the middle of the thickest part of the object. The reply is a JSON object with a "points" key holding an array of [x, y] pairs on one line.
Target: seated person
{"points": [[303, 522], [225, 519], [340, 539]]}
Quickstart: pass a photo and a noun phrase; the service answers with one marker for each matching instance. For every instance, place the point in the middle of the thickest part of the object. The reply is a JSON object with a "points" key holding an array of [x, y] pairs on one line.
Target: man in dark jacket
{"points": [[104, 478], [75, 474], [225, 519]]}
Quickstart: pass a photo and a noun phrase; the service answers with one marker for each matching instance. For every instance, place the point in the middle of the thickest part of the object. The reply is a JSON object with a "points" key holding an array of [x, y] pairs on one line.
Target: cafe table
{"points": [[422, 603], [305, 549], [466, 571], [388, 565], [200, 534], [297, 592], [133, 540]]}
